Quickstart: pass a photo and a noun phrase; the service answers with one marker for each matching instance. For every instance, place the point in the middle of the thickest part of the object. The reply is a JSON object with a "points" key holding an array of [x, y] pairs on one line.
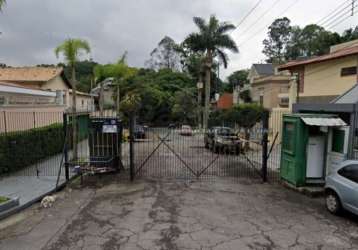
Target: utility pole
{"points": [[353, 3]]}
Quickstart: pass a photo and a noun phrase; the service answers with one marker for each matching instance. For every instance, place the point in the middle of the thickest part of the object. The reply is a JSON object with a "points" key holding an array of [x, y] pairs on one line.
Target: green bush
{"points": [[21, 149], [244, 115]]}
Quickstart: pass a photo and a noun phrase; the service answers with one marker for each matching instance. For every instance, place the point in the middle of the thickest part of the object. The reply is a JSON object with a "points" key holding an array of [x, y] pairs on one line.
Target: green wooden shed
{"points": [[311, 143]]}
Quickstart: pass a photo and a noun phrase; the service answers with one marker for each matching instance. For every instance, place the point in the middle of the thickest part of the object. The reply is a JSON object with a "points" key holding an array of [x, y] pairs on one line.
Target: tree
{"points": [[350, 34], [278, 36], [119, 71], [71, 50], [2, 3], [212, 39], [165, 55], [185, 106], [237, 78]]}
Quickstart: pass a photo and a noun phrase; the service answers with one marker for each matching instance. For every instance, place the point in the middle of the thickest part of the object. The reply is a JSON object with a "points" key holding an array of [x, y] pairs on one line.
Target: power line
{"points": [[249, 13], [264, 27], [335, 17], [262, 15], [337, 8], [342, 20]]}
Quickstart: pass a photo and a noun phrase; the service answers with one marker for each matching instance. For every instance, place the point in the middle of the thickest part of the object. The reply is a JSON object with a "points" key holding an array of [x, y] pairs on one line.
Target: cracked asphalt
{"points": [[148, 214]]}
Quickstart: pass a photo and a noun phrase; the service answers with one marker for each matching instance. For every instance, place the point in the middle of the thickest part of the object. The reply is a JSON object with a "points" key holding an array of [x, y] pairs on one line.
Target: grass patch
{"points": [[3, 199]]}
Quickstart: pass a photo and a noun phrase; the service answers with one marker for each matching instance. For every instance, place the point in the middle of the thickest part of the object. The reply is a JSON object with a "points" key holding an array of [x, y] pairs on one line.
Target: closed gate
{"points": [[188, 153], [97, 148]]}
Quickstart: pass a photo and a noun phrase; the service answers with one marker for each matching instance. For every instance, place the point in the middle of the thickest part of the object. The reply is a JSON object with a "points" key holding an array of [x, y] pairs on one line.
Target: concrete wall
{"points": [[324, 79]]}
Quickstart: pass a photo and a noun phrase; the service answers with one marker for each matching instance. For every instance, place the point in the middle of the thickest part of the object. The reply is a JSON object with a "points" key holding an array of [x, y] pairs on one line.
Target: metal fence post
{"points": [[5, 122], [131, 146], [65, 151], [265, 127]]}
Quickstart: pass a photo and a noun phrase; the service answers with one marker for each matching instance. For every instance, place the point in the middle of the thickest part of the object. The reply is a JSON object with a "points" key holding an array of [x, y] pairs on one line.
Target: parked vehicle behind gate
{"points": [[342, 188], [139, 132], [186, 130], [219, 139]]}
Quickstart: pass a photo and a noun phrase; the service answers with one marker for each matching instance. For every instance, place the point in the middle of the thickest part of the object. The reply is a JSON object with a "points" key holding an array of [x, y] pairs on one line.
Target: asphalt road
{"points": [[205, 215]]}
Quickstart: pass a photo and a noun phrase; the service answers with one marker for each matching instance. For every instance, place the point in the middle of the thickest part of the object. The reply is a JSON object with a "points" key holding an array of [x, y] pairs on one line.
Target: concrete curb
{"points": [[11, 203], [313, 192]]}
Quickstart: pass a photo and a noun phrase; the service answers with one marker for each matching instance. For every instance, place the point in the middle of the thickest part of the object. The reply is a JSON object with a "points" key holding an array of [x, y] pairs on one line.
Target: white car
{"points": [[342, 188]]}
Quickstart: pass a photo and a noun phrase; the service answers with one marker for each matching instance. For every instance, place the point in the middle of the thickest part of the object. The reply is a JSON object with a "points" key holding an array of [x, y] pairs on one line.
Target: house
{"points": [[321, 79], [225, 101], [269, 88], [15, 95], [47, 79], [108, 91]]}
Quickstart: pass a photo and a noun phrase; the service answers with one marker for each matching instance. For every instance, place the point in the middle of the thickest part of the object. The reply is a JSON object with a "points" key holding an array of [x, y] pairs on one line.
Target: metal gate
{"points": [[188, 153], [98, 145]]}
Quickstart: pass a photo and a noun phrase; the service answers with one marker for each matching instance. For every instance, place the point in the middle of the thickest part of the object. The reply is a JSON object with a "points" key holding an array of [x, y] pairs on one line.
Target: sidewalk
{"points": [[27, 186]]}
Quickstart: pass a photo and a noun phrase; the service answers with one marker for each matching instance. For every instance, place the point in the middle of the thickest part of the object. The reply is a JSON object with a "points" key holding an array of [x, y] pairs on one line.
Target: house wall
{"points": [[270, 92], [56, 83], [84, 102], [324, 80]]}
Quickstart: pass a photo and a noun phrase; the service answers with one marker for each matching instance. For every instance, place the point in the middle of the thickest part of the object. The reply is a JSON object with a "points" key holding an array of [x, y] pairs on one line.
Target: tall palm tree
{"points": [[212, 39], [71, 50]]}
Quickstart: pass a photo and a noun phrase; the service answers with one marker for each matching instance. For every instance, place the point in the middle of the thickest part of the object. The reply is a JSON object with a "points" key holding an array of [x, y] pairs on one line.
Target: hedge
{"points": [[21, 149]]}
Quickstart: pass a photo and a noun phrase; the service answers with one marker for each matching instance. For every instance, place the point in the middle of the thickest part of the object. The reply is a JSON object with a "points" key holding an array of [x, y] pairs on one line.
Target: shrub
{"points": [[243, 115], [21, 149]]}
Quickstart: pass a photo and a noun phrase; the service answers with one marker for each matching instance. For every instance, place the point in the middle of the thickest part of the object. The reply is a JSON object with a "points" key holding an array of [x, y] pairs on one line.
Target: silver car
{"points": [[342, 188]]}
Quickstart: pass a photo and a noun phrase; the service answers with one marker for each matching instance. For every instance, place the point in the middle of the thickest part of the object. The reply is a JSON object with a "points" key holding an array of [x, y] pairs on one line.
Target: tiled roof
{"points": [[264, 69], [225, 101], [29, 74], [353, 50]]}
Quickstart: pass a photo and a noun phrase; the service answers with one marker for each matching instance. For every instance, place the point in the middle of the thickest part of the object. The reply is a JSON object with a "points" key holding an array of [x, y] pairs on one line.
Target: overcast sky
{"points": [[31, 29]]}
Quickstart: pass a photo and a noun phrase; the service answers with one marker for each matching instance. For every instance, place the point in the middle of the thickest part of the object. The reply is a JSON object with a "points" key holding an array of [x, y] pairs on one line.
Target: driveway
{"points": [[220, 214]]}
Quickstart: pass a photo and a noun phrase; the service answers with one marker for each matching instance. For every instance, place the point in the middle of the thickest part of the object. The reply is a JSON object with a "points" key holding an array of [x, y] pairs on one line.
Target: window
{"points": [[288, 140], [261, 100], [2, 100], [350, 172], [349, 71], [338, 141]]}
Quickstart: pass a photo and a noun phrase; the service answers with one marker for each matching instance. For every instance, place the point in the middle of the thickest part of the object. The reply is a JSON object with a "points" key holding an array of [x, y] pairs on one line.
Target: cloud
{"points": [[31, 29]]}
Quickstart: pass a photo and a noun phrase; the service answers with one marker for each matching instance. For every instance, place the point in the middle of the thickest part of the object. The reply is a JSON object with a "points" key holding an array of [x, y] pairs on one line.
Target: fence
{"points": [[12, 121], [275, 123]]}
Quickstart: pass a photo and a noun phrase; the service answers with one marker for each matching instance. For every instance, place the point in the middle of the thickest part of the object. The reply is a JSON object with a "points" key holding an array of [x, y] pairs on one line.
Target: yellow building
{"points": [[268, 87], [321, 79]]}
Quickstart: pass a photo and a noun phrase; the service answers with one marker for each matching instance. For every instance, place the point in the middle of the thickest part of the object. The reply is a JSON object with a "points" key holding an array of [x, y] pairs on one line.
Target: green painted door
{"points": [[293, 158]]}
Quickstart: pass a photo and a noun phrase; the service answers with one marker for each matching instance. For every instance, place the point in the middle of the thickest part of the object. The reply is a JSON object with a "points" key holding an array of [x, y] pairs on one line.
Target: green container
{"points": [[293, 152]]}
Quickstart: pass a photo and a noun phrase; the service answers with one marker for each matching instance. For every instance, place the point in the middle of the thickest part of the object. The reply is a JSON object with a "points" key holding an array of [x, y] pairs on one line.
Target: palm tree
{"points": [[212, 39], [2, 3], [71, 50]]}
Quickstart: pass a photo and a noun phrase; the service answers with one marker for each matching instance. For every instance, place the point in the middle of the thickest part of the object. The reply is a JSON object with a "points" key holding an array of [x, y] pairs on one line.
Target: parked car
{"points": [[342, 188], [222, 138], [139, 132], [186, 130]]}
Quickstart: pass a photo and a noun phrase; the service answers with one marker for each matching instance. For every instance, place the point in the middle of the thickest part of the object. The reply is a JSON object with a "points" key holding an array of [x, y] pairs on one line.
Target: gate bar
{"points": [[131, 146], [265, 125]]}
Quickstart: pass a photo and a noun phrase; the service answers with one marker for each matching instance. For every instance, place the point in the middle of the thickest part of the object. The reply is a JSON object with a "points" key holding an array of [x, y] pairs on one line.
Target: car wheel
{"points": [[216, 149], [333, 204]]}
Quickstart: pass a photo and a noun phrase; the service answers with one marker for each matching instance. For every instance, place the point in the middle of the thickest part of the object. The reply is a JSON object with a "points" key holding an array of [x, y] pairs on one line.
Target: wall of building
{"points": [[269, 91], [56, 83], [324, 79]]}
